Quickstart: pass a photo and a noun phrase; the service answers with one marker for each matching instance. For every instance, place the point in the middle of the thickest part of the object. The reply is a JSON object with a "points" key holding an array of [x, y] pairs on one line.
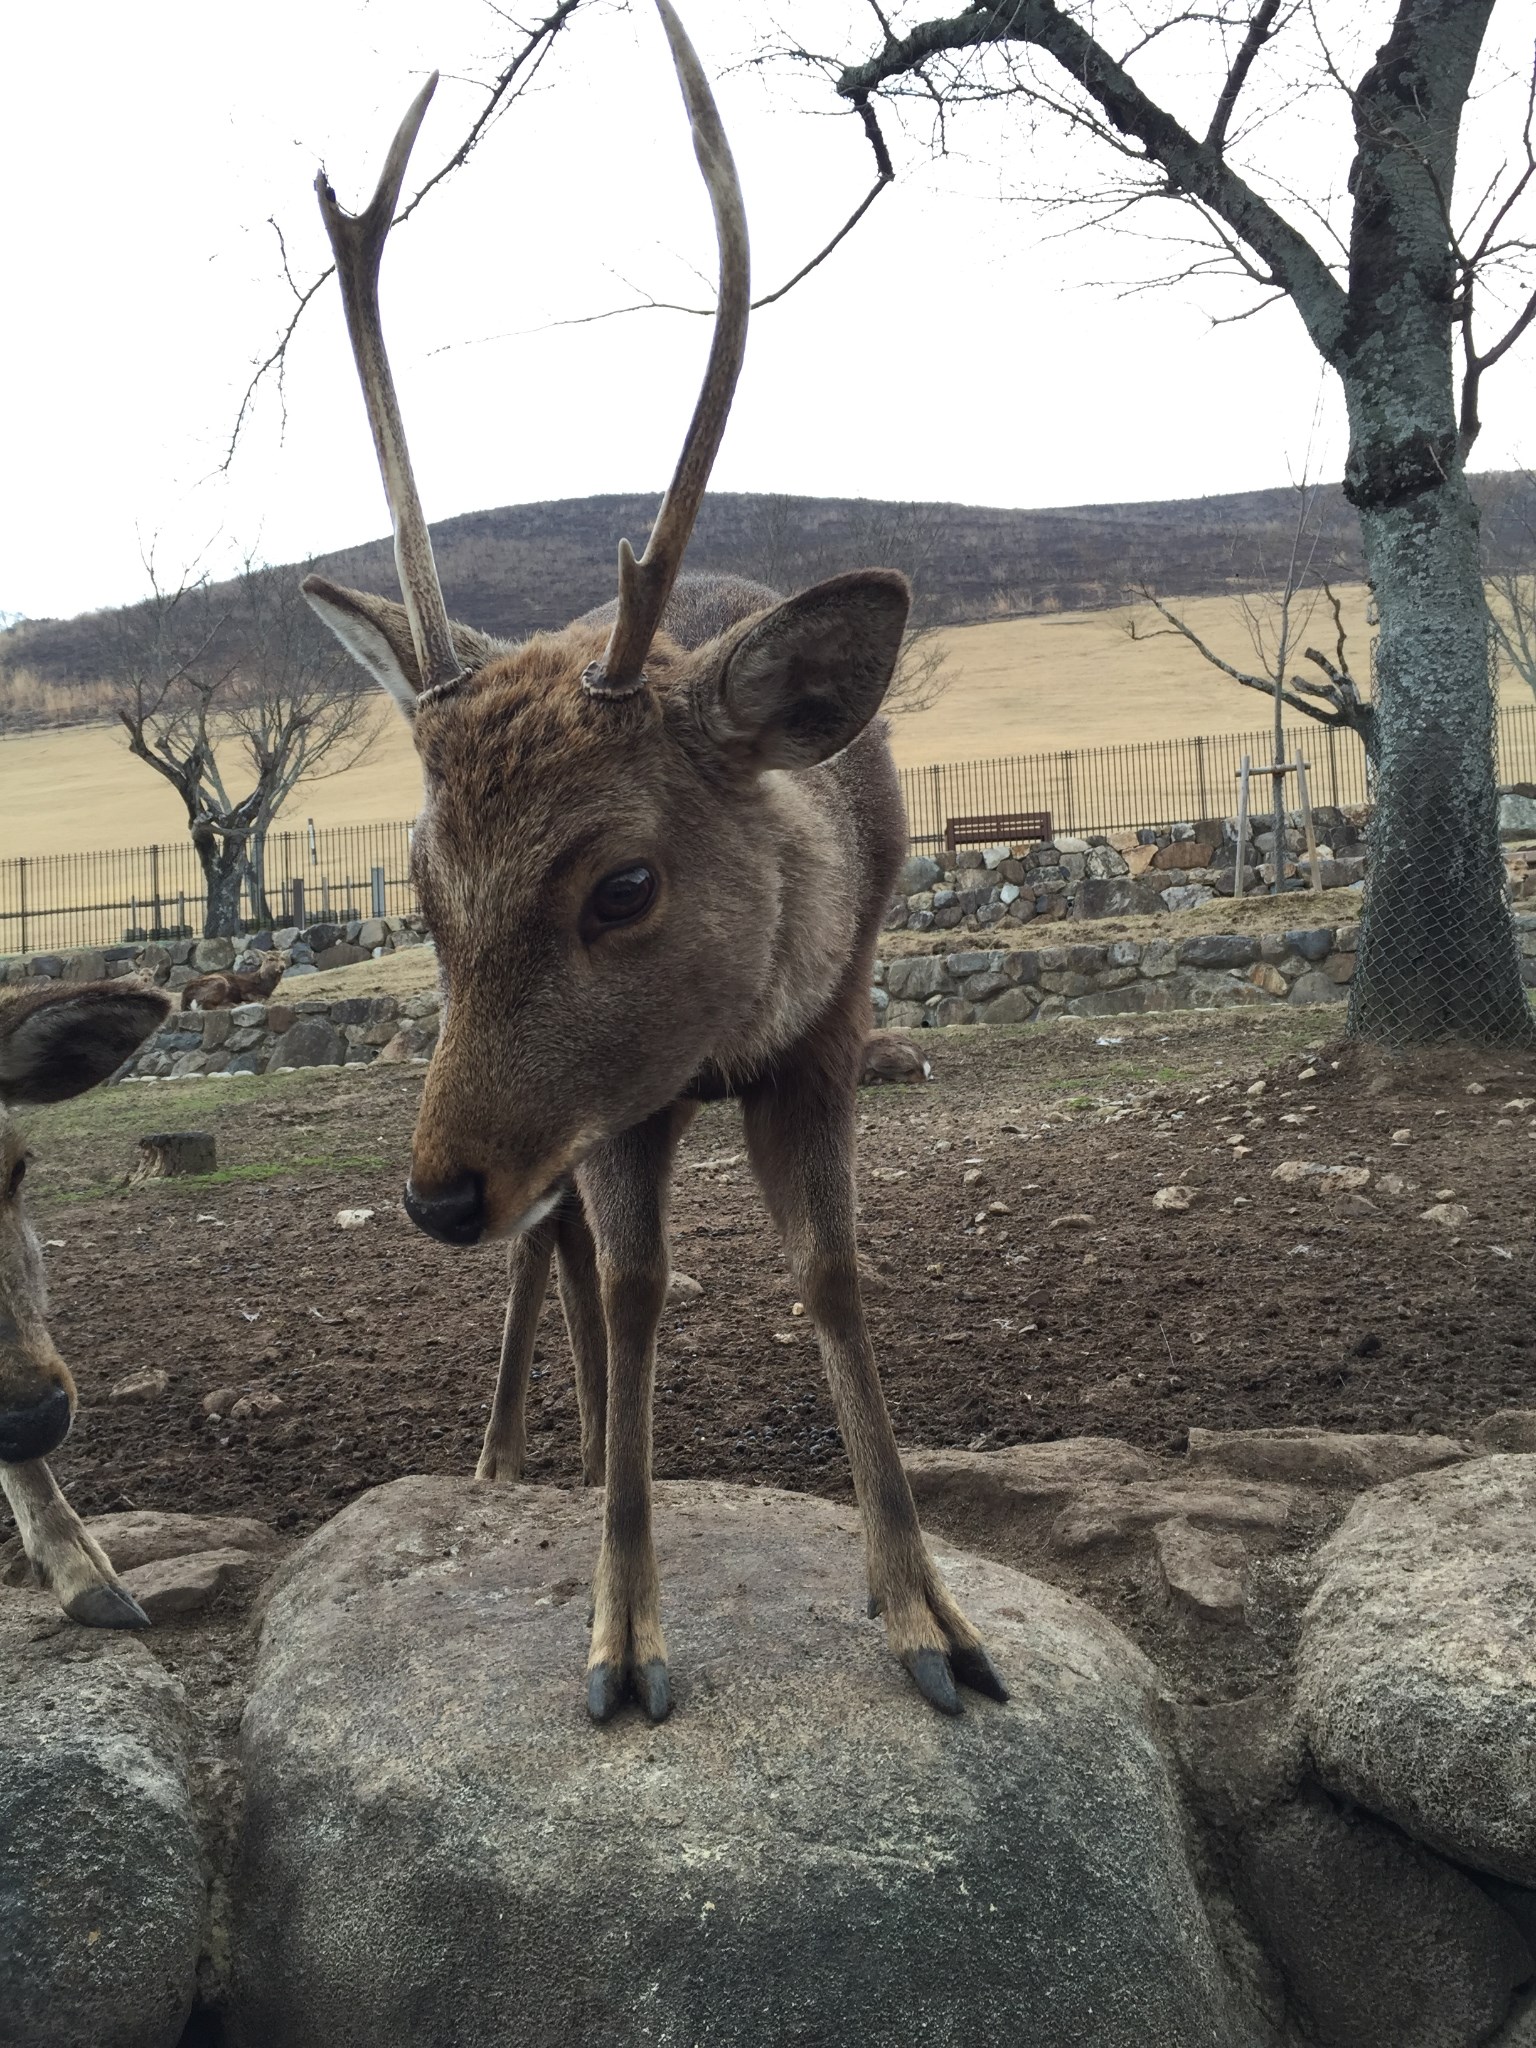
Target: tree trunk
{"points": [[222, 859], [1438, 958]]}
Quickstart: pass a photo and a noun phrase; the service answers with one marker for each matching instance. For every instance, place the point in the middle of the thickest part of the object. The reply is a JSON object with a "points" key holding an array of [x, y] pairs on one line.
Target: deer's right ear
{"points": [[58, 1042], [376, 632]]}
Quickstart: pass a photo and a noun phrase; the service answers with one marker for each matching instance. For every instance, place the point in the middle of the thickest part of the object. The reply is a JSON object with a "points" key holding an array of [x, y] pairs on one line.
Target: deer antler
{"points": [[357, 242], [645, 586]]}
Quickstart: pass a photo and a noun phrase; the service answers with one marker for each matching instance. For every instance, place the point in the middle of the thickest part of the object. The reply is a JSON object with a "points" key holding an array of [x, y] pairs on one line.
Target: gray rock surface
{"points": [[1416, 1676], [146, 1535], [1321, 1457], [1380, 1943], [440, 1847], [102, 1890]]}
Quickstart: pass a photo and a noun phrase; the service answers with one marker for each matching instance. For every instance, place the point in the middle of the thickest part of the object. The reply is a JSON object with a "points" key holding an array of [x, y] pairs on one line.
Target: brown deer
{"points": [[54, 1043], [655, 853], [224, 990]]}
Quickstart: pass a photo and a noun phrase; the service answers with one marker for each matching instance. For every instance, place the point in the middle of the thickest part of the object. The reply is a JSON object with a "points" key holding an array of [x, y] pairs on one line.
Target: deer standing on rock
{"points": [[54, 1043], [655, 853]]}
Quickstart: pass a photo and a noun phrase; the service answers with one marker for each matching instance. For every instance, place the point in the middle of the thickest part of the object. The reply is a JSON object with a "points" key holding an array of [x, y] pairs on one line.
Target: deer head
{"points": [[54, 1043], [609, 847]]}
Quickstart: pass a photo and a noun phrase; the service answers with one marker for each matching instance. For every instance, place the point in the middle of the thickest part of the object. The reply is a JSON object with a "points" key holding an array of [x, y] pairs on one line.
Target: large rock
{"points": [[1380, 1943], [439, 1847], [1416, 1681], [310, 1042], [102, 1889]]}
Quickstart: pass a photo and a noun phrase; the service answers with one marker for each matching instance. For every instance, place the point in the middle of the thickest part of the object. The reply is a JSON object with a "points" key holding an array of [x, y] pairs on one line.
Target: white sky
{"points": [[955, 348]]}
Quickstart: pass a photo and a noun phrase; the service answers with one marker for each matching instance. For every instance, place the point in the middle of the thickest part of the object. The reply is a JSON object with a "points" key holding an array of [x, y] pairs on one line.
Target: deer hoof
{"points": [[936, 1674], [973, 1667], [107, 1606], [610, 1685]]}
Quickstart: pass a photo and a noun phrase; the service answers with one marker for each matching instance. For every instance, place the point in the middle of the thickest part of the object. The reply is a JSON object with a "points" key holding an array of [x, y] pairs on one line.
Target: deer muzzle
{"points": [[37, 1398]]}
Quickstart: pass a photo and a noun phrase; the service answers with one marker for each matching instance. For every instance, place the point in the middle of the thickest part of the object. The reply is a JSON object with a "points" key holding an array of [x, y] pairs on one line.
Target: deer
{"points": [[224, 990], [617, 818], [55, 1042]]}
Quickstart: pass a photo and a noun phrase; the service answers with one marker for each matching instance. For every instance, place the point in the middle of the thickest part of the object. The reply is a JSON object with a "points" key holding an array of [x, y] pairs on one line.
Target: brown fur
{"points": [[55, 1042], [223, 991], [892, 1056], [751, 777]]}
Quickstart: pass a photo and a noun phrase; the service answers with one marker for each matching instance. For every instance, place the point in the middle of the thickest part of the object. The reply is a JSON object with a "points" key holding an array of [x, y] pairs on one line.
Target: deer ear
{"points": [[60, 1041], [376, 632], [806, 678]]}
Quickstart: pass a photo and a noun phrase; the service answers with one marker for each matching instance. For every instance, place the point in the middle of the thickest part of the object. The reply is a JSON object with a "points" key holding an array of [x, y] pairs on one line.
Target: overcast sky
{"points": [[958, 346]]}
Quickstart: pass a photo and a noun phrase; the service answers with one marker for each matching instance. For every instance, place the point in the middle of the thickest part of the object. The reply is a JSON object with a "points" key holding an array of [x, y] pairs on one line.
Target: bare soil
{"points": [[1045, 1297]]}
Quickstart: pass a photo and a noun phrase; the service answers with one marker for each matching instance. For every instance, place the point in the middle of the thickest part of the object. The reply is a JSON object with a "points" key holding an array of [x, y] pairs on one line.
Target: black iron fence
{"points": [[134, 893], [1160, 782], [355, 871]]}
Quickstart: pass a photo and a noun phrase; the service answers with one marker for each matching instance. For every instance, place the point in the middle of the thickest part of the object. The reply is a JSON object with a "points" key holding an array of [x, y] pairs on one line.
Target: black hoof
{"points": [[605, 1691], [874, 1607], [655, 1689], [931, 1670], [976, 1669], [107, 1607]]}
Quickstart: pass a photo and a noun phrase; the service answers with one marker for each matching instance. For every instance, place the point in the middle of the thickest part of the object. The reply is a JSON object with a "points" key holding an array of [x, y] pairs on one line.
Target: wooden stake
{"points": [[1242, 829], [1306, 819]]}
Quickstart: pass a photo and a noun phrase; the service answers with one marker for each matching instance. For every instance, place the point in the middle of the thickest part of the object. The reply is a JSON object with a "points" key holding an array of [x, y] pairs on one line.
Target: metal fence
{"points": [[347, 871], [1160, 782], [157, 892]]}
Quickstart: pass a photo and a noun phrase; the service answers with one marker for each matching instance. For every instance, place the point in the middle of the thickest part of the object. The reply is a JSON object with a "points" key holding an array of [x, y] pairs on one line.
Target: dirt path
{"points": [[996, 1318]]}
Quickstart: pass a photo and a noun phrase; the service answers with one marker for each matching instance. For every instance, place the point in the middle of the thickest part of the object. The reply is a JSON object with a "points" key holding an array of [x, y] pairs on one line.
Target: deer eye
{"points": [[18, 1175], [621, 898]]}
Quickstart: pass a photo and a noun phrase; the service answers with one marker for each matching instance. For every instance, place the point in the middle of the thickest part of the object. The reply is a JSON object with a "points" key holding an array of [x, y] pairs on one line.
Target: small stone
{"points": [[253, 1407], [1392, 1184], [798, 1309], [683, 1287], [1075, 1219], [221, 1400], [1202, 1570], [1256, 1087], [998, 1209], [353, 1219], [783, 1336], [1454, 1215], [1173, 1197], [1402, 1137], [1307, 1074], [181, 1585], [971, 1176], [1476, 1088], [1519, 1105], [141, 1386]]}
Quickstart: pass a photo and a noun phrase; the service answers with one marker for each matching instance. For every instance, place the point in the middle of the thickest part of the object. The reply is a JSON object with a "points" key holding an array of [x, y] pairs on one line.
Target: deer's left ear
{"points": [[806, 678], [57, 1042], [376, 632]]}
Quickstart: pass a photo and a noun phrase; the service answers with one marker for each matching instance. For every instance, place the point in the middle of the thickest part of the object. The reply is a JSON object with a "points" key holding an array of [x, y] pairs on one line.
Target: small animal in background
{"points": [[223, 991], [891, 1056]]}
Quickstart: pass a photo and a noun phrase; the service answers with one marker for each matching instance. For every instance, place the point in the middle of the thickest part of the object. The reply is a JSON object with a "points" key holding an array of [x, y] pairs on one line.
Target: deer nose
{"points": [[454, 1212], [34, 1432]]}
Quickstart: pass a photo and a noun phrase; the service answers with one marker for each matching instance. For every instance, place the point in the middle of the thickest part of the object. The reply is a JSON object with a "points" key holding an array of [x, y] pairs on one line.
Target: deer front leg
{"points": [[800, 1139], [62, 1552], [581, 1298], [623, 1187], [506, 1434]]}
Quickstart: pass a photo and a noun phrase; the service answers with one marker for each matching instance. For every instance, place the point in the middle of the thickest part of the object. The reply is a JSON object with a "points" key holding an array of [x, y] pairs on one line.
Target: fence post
{"points": [[297, 890], [1066, 775], [21, 868], [1205, 808], [378, 892], [157, 922]]}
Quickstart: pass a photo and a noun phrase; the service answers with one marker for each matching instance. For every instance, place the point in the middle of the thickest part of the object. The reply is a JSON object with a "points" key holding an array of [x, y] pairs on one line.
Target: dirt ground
{"points": [[1026, 1285]]}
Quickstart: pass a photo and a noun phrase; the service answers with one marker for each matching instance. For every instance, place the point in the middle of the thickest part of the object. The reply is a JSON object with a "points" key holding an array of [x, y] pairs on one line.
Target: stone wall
{"points": [[1208, 970], [1116, 874], [172, 963]]}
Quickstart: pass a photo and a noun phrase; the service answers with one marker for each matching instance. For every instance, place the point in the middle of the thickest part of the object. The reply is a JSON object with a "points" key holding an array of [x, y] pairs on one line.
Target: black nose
{"points": [[34, 1432], [454, 1212]]}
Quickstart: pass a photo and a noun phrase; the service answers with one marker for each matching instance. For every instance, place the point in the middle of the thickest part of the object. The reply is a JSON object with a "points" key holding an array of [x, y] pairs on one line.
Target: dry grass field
{"points": [[1062, 680]]}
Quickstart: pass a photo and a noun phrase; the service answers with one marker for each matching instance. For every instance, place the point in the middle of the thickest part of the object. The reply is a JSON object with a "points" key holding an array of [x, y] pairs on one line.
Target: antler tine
{"points": [[645, 586], [357, 242]]}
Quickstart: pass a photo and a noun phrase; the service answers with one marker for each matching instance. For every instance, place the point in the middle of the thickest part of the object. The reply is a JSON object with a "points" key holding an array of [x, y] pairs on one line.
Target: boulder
{"points": [[439, 1847], [183, 1585], [1380, 1944], [1416, 1675], [102, 1889], [1321, 1457], [213, 956], [919, 872], [914, 979], [310, 1042]]}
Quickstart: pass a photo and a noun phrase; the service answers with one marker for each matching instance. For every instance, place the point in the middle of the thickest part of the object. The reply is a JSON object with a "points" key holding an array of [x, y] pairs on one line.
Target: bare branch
{"points": [[1259, 31]]}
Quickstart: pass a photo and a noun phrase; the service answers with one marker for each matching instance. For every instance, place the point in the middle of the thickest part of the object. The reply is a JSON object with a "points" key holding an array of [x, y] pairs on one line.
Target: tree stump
{"points": [[170, 1153]]}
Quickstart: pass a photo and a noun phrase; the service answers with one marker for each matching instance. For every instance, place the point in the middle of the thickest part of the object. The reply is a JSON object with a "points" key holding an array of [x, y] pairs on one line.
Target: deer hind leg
{"points": [[800, 1140], [581, 1298], [62, 1552], [506, 1434], [623, 1187]]}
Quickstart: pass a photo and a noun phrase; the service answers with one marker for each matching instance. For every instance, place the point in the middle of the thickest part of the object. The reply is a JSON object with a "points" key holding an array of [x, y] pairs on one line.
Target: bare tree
{"points": [[1393, 301], [1276, 620], [234, 698]]}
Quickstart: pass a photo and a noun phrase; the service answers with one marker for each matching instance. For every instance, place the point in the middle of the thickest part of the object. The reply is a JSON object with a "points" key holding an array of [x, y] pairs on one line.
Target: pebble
{"points": [[1402, 1137], [141, 1386], [1075, 1219], [1256, 1087], [221, 1400], [683, 1287], [971, 1176], [1173, 1197], [1476, 1088], [252, 1407], [1452, 1214], [352, 1219]]}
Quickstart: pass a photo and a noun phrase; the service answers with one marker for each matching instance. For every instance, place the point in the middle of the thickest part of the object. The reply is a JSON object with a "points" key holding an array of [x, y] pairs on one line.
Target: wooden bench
{"points": [[1002, 830]]}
